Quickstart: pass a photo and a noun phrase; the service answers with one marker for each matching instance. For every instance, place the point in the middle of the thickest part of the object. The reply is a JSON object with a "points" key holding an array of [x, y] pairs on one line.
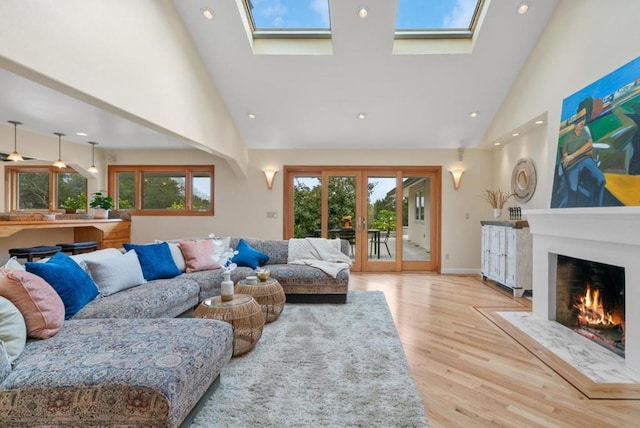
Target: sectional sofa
{"points": [[132, 355]]}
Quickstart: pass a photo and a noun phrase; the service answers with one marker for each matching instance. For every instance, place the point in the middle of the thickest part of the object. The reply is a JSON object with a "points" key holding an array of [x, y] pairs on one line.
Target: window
{"points": [[162, 190], [437, 19], [35, 188], [289, 18], [420, 205]]}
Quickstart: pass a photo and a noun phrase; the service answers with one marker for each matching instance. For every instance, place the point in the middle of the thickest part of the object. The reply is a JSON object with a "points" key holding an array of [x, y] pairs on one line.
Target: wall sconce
{"points": [[269, 174], [15, 156], [456, 174]]}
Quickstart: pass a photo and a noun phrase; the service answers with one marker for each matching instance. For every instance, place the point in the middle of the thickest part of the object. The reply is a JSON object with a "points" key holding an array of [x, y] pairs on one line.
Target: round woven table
{"points": [[269, 295], [242, 312]]}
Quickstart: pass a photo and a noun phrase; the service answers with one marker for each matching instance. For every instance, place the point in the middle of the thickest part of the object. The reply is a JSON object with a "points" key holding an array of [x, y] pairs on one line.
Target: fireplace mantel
{"points": [[619, 225], [607, 235]]}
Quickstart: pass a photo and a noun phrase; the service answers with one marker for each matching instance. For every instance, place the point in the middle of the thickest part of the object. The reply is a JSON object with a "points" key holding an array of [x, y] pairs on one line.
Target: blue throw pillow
{"points": [[249, 256], [68, 279], [156, 260]]}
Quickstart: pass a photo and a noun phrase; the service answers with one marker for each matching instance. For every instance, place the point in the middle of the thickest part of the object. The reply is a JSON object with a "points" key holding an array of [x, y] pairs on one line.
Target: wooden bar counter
{"points": [[109, 233]]}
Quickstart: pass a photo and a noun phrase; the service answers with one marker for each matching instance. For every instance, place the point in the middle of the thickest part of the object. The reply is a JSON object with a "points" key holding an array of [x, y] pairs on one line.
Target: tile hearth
{"points": [[592, 360]]}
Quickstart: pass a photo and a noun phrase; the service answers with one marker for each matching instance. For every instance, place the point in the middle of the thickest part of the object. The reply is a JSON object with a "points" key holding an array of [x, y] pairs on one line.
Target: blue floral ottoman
{"points": [[116, 372]]}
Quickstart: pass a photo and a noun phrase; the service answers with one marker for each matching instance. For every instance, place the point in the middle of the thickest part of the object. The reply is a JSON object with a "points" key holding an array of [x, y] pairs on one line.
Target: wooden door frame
{"points": [[435, 173]]}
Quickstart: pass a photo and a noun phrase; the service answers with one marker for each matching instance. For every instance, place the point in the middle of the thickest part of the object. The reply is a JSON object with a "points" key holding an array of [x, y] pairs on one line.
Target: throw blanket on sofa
{"points": [[320, 253]]}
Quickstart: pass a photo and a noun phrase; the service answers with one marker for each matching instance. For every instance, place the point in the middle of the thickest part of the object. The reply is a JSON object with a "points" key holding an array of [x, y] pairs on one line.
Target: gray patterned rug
{"points": [[320, 365]]}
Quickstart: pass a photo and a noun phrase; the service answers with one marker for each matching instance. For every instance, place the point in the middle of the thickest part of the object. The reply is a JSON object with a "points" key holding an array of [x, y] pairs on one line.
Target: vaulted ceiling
{"points": [[303, 100]]}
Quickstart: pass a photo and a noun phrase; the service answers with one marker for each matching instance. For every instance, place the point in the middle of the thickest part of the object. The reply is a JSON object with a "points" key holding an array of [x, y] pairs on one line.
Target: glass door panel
{"points": [[381, 220], [389, 215], [417, 221], [307, 206], [342, 213]]}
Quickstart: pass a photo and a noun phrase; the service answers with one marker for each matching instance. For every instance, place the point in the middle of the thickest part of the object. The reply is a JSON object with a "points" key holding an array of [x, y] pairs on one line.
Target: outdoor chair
{"points": [[385, 241]]}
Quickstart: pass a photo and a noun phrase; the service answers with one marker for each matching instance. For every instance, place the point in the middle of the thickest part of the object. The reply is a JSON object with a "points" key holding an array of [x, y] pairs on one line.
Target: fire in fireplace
{"points": [[590, 300]]}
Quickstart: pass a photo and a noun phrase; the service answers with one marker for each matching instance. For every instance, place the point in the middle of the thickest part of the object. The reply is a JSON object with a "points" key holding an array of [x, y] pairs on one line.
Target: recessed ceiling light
{"points": [[515, 134], [523, 8], [251, 115], [539, 122], [362, 116], [207, 13], [82, 134], [497, 143], [362, 12], [474, 114]]}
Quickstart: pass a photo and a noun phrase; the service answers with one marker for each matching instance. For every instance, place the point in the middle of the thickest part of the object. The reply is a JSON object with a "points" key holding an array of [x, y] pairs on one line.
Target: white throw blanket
{"points": [[320, 253]]}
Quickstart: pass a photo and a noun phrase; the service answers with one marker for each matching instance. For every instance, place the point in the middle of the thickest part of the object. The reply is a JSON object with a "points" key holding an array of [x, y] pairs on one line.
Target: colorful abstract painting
{"points": [[598, 159]]}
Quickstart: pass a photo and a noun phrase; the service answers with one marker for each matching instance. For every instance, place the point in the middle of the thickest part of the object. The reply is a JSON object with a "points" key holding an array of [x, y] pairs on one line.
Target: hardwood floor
{"points": [[468, 371]]}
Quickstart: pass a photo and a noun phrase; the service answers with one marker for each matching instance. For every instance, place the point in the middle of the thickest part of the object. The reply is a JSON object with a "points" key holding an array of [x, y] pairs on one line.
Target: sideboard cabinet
{"points": [[506, 254]]}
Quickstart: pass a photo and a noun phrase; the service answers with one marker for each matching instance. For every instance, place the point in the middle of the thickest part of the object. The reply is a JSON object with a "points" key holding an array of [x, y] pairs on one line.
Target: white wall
{"points": [[241, 204], [44, 148], [584, 41], [133, 58], [533, 145]]}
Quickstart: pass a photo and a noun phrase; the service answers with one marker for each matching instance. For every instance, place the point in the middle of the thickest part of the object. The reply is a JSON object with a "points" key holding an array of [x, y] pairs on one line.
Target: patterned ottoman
{"points": [[116, 372]]}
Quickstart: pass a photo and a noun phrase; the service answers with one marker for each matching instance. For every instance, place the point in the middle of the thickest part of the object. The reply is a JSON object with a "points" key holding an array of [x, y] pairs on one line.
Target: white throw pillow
{"points": [[13, 264], [116, 273], [96, 255], [13, 330], [178, 257]]}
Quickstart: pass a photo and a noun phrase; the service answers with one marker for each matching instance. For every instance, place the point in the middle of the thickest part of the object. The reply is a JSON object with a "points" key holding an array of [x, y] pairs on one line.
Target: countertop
{"points": [[516, 224]]}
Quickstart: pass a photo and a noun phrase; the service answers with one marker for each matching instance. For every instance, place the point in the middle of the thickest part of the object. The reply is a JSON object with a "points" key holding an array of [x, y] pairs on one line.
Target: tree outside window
{"points": [[162, 190], [42, 188]]}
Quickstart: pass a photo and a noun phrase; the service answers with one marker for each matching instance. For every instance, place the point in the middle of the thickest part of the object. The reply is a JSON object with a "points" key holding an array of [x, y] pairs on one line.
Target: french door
{"points": [[389, 215]]}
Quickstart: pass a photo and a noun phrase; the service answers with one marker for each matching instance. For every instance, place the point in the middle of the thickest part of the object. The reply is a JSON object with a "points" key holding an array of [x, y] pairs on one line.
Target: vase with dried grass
{"points": [[497, 199]]}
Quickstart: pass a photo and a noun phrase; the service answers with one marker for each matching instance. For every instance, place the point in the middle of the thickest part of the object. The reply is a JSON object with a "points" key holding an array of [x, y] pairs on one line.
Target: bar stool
{"points": [[31, 253], [79, 247]]}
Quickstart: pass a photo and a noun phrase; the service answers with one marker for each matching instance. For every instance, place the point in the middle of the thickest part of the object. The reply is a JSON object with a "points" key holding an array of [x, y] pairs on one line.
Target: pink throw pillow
{"points": [[40, 305], [198, 255]]}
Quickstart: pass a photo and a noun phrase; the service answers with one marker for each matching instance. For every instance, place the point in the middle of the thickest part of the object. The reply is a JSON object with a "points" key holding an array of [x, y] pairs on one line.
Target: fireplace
{"points": [[608, 236], [590, 300]]}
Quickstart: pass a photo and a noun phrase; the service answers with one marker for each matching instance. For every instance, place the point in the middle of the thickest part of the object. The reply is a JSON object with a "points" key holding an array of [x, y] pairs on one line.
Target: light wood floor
{"points": [[469, 372]]}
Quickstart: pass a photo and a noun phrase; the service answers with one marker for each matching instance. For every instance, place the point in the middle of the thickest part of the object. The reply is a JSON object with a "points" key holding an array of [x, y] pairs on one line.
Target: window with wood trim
{"points": [[42, 188], [162, 190], [419, 198]]}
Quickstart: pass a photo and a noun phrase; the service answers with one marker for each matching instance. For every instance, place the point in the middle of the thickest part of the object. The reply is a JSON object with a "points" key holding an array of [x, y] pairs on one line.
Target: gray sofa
{"points": [[178, 296], [124, 360]]}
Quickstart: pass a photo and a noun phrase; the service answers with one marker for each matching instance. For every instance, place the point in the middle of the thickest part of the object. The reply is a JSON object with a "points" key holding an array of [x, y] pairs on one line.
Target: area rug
{"points": [[320, 365]]}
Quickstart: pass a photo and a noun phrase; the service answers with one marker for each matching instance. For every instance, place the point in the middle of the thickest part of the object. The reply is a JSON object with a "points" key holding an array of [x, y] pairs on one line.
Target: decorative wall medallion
{"points": [[523, 180]]}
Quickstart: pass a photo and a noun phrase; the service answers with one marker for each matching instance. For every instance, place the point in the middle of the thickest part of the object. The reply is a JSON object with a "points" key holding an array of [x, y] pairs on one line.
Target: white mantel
{"points": [[608, 235]]}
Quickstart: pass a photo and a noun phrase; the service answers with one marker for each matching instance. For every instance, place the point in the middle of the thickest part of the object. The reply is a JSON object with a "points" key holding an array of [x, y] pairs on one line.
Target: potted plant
{"points": [[101, 205], [72, 205]]}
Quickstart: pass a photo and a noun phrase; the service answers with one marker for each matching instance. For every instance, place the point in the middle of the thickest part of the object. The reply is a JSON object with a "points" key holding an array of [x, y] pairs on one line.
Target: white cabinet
{"points": [[506, 255]]}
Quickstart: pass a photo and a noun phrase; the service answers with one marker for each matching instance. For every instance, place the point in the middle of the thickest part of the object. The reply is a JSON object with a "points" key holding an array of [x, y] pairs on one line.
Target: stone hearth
{"points": [[608, 235]]}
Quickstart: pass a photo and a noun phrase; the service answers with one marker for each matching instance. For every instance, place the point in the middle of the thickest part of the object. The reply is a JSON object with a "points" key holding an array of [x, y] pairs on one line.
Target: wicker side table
{"points": [[269, 294], [242, 312]]}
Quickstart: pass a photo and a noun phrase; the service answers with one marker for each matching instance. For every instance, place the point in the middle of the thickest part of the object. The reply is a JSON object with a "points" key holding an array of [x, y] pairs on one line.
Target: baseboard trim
{"points": [[460, 271]]}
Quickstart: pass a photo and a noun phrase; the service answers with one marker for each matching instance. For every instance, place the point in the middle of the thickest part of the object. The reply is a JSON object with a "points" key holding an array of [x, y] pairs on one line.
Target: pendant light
{"points": [[59, 163], [92, 169], [15, 156]]}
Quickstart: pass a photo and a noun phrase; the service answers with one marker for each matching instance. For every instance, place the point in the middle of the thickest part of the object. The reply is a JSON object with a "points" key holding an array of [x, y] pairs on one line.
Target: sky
{"points": [[412, 14], [602, 87]]}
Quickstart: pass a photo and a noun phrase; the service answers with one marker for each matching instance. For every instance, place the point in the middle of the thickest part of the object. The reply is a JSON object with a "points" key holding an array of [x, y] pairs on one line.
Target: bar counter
{"points": [[109, 233]]}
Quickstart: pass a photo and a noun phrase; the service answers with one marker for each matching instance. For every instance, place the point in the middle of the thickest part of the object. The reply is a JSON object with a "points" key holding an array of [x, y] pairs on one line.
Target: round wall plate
{"points": [[523, 180]]}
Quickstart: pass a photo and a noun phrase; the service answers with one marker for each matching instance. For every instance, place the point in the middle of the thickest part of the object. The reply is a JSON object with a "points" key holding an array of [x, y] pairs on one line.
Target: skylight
{"points": [[436, 18], [279, 18]]}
